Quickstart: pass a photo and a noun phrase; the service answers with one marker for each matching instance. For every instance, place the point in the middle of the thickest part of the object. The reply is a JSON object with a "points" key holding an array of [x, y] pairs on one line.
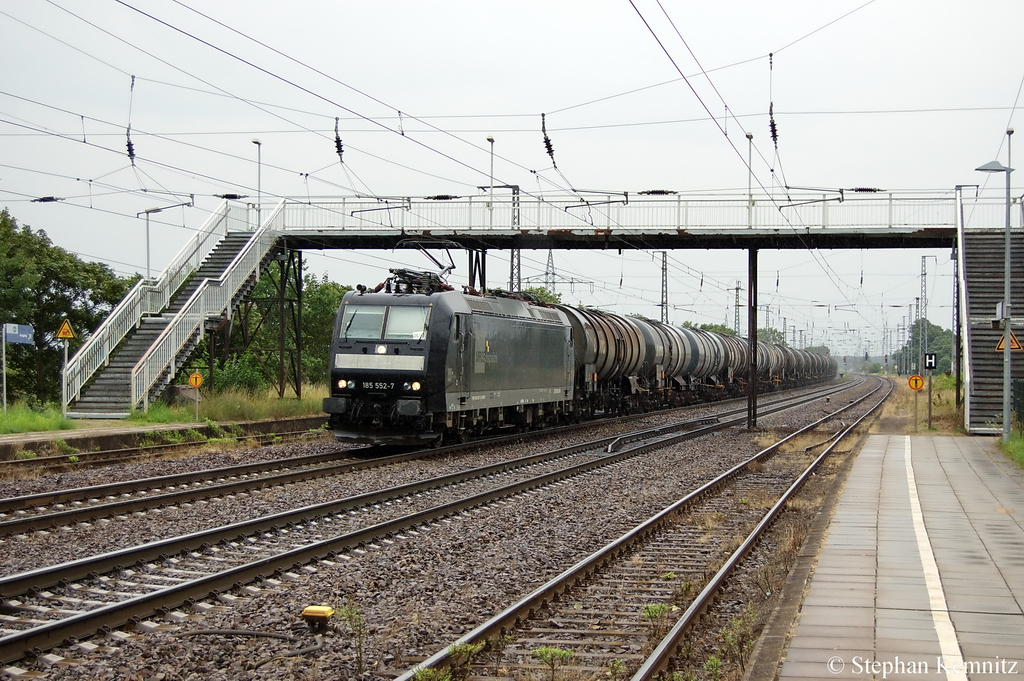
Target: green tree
{"points": [[253, 362], [819, 349], [717, 328], [320, 302], [44, 285], [544, 295], [770, 335], [923, 334]]}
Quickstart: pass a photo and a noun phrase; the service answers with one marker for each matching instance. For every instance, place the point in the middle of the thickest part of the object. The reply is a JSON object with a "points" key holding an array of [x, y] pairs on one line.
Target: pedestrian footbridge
{"points": [[148, 338]]}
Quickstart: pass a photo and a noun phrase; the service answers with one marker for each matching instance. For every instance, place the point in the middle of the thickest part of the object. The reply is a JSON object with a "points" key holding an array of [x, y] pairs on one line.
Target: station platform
{"points": [[114, 435], [921, 573]]}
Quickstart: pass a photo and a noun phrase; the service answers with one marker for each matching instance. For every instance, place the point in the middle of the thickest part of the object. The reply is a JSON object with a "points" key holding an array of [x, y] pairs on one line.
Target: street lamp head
{"points": [[750, 135], [257, 142], [994, 167], [491, 140]]}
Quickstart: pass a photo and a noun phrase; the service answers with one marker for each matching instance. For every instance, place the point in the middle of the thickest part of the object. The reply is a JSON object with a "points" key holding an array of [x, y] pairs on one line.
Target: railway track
{"points": [[50, 510], [42, 608], [627, 607]]}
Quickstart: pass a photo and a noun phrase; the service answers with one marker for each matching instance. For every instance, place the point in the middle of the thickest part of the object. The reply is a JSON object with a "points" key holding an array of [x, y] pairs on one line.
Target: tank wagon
{"points": [[414, 361]]}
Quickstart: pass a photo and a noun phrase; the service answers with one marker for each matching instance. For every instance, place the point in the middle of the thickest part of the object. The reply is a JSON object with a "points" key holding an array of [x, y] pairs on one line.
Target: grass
{"points": [[221, 406], [1014, 449], [240, 406], [21, 419]]}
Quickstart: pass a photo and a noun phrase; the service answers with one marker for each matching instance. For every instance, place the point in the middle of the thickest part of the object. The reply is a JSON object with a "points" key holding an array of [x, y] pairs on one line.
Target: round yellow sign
{"points": [[195, 380], [916, 382]]}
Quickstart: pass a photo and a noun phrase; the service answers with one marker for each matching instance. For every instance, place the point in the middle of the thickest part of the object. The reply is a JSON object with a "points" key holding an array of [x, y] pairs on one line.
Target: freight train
{"points": [[414, 361]]}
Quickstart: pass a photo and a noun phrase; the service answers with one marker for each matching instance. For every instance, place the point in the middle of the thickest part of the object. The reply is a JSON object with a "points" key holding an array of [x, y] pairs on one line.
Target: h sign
{"points": [[930, 360]]}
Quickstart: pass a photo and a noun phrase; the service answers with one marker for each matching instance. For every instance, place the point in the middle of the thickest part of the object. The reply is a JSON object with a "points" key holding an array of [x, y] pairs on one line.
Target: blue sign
{"points": [[18, 333]]}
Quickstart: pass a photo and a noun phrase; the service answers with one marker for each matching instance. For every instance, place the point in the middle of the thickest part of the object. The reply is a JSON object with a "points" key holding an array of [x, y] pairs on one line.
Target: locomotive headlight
{"points": [[415, 385], [382, 349], [342, 383]]}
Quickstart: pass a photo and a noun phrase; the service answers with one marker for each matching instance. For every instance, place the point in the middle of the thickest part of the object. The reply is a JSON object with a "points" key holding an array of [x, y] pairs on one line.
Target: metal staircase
{"points": [[137, 351], [982, 258]]}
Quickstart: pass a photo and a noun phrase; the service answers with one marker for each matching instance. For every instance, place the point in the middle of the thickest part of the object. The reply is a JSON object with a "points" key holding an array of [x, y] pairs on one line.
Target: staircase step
{"points": [[108, 394]]}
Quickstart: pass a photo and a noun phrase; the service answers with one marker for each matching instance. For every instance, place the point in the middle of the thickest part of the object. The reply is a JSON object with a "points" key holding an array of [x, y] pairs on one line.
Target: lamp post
{"points": [[149, 212], [997, 167], [490, 195], [259, 179]]}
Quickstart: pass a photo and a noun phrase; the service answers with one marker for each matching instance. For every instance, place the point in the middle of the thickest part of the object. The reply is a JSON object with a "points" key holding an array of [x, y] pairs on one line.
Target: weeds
{"points": [[739, 635], [657, 615], [497, 645], [64, 448], [353, 619], [461, 657], [684, 592], [553, 658], [616, 668], [713, 667], [431, 674]]}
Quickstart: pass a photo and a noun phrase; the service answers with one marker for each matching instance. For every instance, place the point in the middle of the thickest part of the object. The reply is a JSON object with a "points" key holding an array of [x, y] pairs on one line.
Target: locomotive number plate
{"points": [[377, 385]]}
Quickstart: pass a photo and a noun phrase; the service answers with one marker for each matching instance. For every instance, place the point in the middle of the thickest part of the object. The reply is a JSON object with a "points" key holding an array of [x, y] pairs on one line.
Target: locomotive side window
{"points": [[363, 321], [407, 323]]}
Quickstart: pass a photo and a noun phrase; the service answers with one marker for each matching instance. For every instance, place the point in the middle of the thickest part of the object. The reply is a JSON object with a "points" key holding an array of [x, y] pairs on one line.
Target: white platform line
{"points": [[948, 643]]}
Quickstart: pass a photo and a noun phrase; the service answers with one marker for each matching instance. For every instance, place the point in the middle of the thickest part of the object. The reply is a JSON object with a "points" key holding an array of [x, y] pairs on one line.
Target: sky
{"points": [[903, 95]]}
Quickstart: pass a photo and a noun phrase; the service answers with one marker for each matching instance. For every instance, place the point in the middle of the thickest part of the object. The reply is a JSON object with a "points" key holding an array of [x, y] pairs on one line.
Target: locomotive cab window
{"points": [[374, 322], [363, 321], [407, 323]]}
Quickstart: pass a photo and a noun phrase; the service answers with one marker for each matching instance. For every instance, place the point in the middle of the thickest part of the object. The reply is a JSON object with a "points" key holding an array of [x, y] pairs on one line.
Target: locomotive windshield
{"points": [[374, 322]]}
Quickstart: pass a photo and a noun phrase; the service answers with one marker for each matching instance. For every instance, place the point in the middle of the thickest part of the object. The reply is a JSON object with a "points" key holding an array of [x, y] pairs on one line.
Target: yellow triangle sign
{"points": [[66, 333], [1014, 343]]}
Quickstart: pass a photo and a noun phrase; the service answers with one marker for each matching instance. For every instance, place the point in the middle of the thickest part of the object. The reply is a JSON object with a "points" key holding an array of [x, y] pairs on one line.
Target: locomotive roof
{"points": [[462, 302]]}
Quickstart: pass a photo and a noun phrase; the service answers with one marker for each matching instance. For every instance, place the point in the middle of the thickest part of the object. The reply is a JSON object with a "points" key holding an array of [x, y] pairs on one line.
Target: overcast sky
{"points": [[896, 94]]}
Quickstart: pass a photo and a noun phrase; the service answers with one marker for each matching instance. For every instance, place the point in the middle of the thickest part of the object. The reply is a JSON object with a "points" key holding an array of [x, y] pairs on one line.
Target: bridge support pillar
{"points": [[752, 338]]}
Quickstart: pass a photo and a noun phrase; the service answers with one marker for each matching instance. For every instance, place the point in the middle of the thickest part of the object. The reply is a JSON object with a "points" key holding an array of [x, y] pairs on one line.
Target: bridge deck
{"points": [[621, 221]]}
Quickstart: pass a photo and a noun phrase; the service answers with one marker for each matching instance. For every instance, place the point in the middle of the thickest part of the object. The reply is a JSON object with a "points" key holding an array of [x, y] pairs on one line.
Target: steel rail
{"points": [[659, 660], [52, 634], [79, 569], [46, 636], [588, 566], [28, 523], [107, 457]]}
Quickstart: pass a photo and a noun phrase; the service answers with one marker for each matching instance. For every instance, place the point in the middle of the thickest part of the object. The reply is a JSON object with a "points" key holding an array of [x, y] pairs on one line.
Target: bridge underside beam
{"points": [[600, 239]]}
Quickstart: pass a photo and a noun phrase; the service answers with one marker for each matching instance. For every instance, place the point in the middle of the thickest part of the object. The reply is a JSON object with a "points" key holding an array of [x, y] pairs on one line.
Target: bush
{"points": [[243, 373]]}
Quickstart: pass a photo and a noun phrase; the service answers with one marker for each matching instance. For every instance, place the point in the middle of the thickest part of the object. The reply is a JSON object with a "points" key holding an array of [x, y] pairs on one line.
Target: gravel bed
{"points": [[39, 549], [418, 595], [166, 465]]}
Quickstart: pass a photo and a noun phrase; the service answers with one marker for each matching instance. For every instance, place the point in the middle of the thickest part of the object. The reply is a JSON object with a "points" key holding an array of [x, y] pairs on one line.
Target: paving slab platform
{"points": [[921, 574]]}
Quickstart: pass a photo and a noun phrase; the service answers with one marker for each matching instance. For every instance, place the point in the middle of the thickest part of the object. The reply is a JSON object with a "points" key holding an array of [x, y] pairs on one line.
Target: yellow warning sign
{"points": [[1014, 343], [195, 380], [916, 382], [65, 331]]}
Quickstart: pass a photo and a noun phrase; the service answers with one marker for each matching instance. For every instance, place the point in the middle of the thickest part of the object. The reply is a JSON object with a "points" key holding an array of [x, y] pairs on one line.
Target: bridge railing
{"points": [[618, 211], [148, 296], [210, 300]]}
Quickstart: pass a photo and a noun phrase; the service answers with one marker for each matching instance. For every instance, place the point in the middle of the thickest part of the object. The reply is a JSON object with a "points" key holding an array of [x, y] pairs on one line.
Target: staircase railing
{"points": [[965, 320], [213, 298], [148, 296]]}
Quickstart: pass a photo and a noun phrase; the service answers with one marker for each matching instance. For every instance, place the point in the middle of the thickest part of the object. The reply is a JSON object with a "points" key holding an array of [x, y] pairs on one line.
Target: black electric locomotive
{"points": [[415, 361]]}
